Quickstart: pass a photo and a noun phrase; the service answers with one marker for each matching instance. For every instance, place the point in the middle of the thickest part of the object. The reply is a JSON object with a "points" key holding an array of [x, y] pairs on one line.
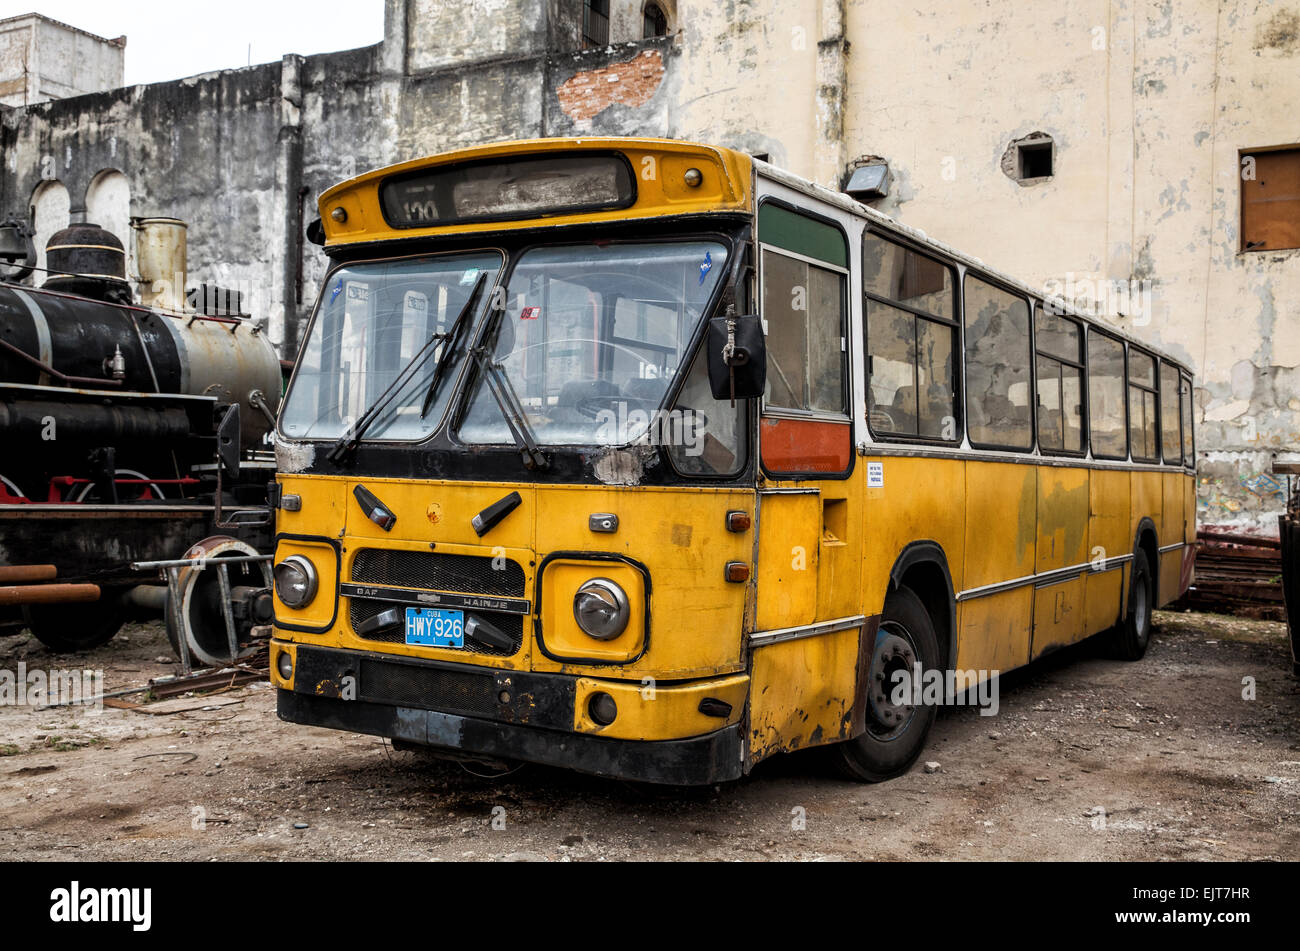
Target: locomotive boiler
{"points": [[133, 431]]}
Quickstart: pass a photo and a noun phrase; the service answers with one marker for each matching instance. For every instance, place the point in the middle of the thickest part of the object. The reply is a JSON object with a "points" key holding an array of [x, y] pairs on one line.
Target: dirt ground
{"points": [[1088, 758]]}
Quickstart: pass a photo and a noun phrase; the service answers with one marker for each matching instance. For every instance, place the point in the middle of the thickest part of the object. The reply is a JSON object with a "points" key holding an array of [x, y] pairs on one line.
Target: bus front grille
{"points": [[462, 574], [360, 611], [465, 574]]}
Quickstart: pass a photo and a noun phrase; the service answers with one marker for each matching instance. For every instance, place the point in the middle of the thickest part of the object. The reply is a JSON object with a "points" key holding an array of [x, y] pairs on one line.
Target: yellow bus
{"points": [[651, 460]]}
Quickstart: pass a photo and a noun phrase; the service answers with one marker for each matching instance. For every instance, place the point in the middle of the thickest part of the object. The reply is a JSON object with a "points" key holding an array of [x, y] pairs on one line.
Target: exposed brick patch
{"points": [[630, 83]]}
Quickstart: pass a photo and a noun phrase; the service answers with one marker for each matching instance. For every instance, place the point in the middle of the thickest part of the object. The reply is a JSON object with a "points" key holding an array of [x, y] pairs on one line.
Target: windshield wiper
{"points": [[503, 394], [346, 444], [453, 338]]}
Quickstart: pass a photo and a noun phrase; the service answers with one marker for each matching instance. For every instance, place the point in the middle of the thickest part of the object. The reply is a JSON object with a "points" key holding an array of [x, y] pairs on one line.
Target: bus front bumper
{"points": [[492, 713]]}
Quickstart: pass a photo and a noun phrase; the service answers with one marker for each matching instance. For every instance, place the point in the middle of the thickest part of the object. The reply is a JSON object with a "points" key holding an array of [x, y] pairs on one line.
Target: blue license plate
{"points": [[433, 627]]}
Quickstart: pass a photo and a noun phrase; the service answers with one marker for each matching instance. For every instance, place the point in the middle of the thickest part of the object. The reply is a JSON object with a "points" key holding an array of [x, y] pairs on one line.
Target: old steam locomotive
{"points": [[133, 431]]}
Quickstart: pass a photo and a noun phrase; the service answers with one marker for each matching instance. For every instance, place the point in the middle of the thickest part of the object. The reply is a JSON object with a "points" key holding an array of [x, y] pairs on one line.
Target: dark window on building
{"points": [[998, 408], [1106, 396], [911, 342], [1270, 199], [1060, 382], [595, 23], [1143, 412], [1036, 160], [656, 23]]}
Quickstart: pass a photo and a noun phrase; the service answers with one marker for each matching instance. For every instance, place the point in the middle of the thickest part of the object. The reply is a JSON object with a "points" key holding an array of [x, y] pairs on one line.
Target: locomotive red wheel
{"points": [[90, 491], [9, 491]]}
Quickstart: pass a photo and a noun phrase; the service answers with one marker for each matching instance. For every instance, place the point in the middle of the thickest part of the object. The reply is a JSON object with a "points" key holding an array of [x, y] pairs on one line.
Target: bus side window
{"points": [[1189, 443], [1060, 382], [1106, 396], [803, 306], [911, 340], [998, 410], [1143, 420], [1171, 436], [705, 432]]}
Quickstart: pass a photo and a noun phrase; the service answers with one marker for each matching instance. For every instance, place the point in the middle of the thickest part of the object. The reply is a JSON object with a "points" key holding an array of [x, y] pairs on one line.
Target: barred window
{"points": [[595, 23], [656, 23]]}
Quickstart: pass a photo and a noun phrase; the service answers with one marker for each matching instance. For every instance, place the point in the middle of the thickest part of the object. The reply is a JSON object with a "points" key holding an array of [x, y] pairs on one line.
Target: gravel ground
{"points": [[1088, 758]]}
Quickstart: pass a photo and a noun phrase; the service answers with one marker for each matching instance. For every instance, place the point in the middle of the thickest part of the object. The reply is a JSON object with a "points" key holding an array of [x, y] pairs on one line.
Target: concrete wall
{"points": [[43, 59], [1147, 104]]}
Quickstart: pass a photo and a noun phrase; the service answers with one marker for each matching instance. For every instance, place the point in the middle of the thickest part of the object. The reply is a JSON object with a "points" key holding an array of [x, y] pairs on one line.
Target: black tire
{"points": [[70, 628], [1129, 639], [890, 747]]}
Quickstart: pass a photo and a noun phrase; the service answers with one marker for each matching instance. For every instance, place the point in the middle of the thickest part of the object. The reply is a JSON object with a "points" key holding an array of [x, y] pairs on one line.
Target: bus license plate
{"points": [[433, 627]]}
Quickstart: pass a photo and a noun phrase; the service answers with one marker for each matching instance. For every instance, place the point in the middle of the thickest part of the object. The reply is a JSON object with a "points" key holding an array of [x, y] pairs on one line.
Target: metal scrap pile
{"points": [[1237, 574]]}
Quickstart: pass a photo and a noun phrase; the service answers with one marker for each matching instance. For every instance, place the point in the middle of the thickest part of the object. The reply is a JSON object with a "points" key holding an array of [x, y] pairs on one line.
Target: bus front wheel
{"points": [[1129, 639], [898, 720]]}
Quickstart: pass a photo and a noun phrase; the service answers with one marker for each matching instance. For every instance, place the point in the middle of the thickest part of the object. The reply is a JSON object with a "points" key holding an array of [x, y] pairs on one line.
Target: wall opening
{"points": [[51, 212], [1031, 159], [595, 23], [1036, 160], [656, 21], [108, 204]]}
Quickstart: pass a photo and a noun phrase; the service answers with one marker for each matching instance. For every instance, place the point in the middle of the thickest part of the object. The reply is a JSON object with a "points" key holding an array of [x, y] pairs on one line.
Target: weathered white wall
{"points": [[43, 59], [1148, 104]]}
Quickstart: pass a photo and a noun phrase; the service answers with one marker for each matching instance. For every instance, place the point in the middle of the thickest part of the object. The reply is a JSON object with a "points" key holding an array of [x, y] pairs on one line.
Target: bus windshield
{"points": [[378, 324], [592, 338]]}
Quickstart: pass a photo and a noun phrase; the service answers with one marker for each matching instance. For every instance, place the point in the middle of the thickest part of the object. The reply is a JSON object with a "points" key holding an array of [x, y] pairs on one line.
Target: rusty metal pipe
{"points": [[49, 594], [27, 574]]}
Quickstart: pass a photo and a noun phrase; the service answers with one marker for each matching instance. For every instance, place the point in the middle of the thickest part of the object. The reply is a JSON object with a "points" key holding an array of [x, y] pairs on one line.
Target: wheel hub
{"points": [[894, 654]]}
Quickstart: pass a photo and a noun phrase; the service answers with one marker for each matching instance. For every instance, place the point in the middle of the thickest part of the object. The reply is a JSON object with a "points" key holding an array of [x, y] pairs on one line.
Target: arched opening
{"points": [[655, 21], [51, 213], [108, 203]]}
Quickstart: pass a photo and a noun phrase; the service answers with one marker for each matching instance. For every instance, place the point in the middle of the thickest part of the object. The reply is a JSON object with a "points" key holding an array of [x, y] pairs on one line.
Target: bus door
{"points": [[807, 623]]}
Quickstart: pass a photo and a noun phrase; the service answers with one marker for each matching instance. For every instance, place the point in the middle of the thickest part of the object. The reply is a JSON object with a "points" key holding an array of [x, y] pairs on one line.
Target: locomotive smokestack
{"points": [[161, 249]]}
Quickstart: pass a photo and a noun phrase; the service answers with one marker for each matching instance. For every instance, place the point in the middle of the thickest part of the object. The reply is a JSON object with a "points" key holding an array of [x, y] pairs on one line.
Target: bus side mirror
{"points": [[737, 353]]}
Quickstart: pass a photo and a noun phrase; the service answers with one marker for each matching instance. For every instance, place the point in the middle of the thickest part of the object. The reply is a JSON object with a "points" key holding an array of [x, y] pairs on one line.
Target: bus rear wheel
{"points": [[1129, 639], [896, 732]]}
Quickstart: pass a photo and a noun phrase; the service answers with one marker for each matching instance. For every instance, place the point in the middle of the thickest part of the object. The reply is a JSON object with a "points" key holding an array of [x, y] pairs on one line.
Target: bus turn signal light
{"points": [[739, 522], [737, 572]]}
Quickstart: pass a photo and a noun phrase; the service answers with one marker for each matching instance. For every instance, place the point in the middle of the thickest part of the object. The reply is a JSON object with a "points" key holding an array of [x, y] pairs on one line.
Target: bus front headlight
{"points": [[601, 609], [296, 581]]}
